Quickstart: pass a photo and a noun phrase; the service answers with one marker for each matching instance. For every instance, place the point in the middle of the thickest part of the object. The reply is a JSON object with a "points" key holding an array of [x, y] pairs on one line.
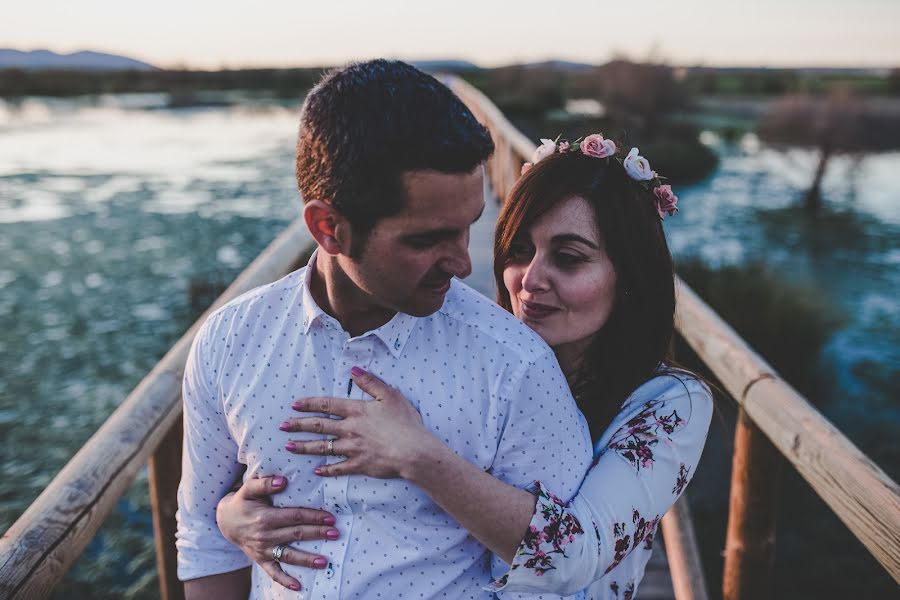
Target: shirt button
{"points": [[329, 571], [338, 510]]}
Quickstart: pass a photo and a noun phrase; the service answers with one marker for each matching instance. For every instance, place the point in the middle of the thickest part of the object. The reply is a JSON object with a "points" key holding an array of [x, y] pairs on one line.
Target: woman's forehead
{"points": [[572, 215]]}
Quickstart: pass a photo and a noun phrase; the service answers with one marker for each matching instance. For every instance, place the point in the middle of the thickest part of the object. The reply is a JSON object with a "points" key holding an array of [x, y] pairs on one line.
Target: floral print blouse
{"points": [[601, 540]]}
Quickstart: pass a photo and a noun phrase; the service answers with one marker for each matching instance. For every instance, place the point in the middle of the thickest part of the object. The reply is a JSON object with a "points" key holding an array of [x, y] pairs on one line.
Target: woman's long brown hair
{"points": [[637, 337]]}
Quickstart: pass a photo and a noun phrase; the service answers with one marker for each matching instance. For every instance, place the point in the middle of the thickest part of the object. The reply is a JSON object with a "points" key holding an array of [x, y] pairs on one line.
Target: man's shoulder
{"points": [[267, 300], [485, 318]]}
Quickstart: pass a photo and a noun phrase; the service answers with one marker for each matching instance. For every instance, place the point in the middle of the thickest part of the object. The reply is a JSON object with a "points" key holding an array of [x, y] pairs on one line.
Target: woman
{"points": [[580, 257]]}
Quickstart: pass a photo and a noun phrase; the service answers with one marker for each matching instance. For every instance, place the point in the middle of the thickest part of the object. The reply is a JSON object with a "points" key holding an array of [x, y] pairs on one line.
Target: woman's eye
{"points": [[519, 251], [564, 259]]}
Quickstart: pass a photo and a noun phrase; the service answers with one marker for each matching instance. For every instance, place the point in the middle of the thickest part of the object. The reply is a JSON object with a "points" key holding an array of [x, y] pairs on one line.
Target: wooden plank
{"points": [[753, 505], [164, 476], [683, 552], [44, 542], [856, 489]]}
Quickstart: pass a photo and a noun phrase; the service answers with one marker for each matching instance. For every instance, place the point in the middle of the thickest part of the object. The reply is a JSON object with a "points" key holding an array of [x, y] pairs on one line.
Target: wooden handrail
{"points": [[43, 543], [858, 491]]}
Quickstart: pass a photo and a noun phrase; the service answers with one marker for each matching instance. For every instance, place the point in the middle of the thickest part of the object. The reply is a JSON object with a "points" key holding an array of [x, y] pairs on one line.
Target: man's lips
{"points": [[437, 286], [536, 310]]}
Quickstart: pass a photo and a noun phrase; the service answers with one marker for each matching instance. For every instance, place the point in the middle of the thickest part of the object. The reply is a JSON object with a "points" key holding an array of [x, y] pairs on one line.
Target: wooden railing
{"points": [[775, 424]]}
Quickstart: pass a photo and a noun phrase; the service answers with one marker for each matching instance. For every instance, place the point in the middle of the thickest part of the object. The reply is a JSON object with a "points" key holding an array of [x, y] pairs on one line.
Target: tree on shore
{"points": [[836, 124]]}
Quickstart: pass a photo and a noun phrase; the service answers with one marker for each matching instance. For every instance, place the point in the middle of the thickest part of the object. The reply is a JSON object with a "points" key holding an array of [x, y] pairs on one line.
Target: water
{"points": [[117, 214]]}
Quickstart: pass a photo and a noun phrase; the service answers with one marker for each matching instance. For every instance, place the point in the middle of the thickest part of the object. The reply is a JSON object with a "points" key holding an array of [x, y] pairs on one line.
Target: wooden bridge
{"points": [[775, 425]]}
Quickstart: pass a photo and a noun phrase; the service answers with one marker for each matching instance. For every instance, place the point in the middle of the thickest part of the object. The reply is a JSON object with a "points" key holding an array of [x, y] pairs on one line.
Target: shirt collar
{"points": [[394, 334]]}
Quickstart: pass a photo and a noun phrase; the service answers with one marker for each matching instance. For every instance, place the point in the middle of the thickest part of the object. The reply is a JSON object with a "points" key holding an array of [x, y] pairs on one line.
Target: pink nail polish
{"points": [[356, 371], [286, 426], [290, 446], [332, 534], [329, 520], [297, 405], [295, 587], [278, 481], [320, 563], [317, 471]]}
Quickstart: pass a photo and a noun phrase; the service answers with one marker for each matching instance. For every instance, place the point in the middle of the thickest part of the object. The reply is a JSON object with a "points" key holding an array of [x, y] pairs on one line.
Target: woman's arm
{"points": [[552, 546], [386, 438]]}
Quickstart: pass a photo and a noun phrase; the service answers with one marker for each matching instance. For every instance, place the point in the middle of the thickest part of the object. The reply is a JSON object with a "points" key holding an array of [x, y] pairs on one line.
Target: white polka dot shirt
{"points": [[483, 382]]}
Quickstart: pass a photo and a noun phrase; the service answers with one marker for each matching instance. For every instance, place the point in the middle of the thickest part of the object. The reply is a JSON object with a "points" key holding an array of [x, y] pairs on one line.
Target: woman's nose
{"points": [[535, 278]]}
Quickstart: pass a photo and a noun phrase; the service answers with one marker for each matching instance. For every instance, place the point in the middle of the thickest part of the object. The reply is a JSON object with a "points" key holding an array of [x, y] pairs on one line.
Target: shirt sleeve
{"points": [[636, 477], [544, 436], [209, 467]]}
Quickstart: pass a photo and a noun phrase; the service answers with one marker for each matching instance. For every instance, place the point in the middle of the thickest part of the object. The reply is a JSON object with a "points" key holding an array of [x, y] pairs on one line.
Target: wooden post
{"points": [[750, 540], [164, 475], [682, 550]]}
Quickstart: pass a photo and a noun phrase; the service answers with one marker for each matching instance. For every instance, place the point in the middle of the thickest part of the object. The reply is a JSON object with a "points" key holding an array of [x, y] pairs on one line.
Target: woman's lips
{"points": [[534, 310]]}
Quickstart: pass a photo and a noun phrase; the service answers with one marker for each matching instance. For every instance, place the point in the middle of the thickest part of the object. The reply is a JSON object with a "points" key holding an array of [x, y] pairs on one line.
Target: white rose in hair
{"points": [[546, 148], [637, 166]]}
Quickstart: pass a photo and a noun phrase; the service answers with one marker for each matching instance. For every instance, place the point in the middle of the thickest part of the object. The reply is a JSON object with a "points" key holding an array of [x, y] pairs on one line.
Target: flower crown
{"points": [[636, 166]]}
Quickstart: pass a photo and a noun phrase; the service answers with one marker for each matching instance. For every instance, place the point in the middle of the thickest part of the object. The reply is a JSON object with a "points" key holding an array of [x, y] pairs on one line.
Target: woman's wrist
{"points": [[425, 456]]}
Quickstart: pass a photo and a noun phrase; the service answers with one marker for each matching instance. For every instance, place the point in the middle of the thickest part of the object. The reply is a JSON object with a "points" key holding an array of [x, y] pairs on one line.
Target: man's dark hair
{"points": [[364, 125]]}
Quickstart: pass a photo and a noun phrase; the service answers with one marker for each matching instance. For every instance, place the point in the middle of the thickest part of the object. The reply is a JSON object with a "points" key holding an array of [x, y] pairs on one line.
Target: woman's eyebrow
{"points": [[574, 237]]}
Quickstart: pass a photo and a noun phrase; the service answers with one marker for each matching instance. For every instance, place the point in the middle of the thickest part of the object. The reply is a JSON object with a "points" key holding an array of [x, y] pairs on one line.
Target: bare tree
{"points": [[833, 125]]}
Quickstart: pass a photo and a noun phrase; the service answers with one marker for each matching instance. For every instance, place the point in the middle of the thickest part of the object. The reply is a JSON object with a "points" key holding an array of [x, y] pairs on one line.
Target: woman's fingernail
{"points": [[297, 405], [295, 587], [286, 426], [332, 534], [290, 446], [317, 471], [356, 371], [278, 481], [329, 520], [320, 563]]}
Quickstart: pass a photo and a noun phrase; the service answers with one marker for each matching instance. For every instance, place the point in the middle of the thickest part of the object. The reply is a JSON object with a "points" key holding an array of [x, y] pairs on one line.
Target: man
{"points": [[390, 168]]}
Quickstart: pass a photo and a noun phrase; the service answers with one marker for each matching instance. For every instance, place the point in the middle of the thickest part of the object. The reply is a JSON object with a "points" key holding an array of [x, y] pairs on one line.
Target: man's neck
{"points": [[338, 296]]}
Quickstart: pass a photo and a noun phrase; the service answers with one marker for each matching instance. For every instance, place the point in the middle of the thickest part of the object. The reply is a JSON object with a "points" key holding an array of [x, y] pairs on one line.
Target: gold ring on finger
{"points": [[330, 447]]}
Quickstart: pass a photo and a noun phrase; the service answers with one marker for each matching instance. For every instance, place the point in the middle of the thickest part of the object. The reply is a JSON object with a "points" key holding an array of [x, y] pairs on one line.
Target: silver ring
{"points": [[330, 447], [278, 552]]}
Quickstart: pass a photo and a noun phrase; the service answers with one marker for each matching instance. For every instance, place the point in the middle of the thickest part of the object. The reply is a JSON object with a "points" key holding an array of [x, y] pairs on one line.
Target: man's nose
{"points": [[458, 263]]}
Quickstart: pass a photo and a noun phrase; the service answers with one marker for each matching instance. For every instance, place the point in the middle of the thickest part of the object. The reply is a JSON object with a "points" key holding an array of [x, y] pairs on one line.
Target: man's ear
{"points": [[327, 226]]}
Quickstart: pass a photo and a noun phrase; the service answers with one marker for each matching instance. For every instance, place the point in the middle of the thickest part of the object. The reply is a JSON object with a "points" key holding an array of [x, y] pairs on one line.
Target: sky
{"points": [[208, 34]]}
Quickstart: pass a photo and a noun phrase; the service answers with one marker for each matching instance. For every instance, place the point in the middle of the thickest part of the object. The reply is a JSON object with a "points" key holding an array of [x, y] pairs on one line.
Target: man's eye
{"points": [[421, 243]]}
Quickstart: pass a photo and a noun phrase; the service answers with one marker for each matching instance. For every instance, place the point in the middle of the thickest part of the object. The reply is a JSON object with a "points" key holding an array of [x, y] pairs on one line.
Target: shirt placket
{"points": [[355, 352]]}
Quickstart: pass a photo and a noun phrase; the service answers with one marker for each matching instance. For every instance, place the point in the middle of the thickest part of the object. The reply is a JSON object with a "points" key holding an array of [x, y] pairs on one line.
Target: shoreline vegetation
{"points": [[660, 108]]}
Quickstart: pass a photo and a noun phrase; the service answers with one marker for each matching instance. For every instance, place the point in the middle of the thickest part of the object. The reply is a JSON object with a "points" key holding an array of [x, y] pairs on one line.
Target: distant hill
{"points": [[45, 59], [561, 65], [443, 65]]}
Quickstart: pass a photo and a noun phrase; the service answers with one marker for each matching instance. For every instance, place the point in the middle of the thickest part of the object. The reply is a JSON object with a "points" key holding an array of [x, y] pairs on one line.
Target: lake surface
{"points": [[119, 216]]}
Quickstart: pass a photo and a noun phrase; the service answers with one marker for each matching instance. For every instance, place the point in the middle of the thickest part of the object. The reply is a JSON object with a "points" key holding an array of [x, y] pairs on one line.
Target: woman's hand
{"points": [[248, 520], [380, 438]]}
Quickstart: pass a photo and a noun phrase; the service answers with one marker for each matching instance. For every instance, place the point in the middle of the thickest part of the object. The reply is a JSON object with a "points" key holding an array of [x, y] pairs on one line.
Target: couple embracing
{"points": [[397, 435]]}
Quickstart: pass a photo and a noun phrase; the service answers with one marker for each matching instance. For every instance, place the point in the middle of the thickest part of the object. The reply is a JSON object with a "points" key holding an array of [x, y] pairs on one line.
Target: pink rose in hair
{"points": [[594, 145], [637, 166], [525, 168], [546, 148], [666, 201], [564, 147]]}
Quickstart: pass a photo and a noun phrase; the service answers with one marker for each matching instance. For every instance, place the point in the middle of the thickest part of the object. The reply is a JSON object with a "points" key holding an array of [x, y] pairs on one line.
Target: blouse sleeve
{"points": [[643, 462]]}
